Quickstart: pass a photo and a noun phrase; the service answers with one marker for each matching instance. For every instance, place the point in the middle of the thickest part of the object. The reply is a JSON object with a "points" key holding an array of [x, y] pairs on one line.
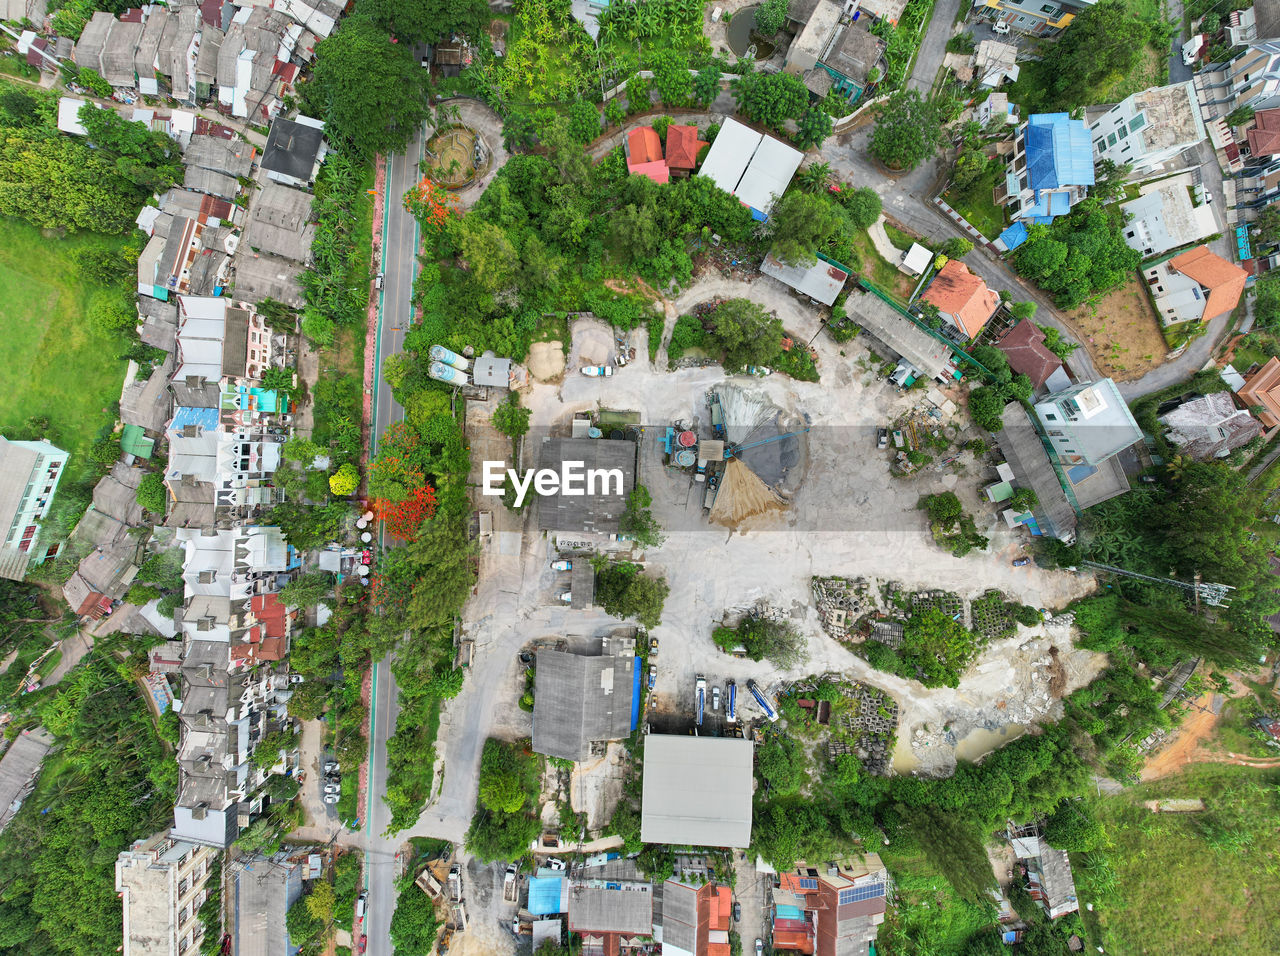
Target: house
{"points": [[996, 107], [162, 884], [1088, 423], [1195, 286], [208, 181], [259, 276], [833, 52], [643, 150], [224, 468], [963, 299], [1264, 136], [993, 63], [1251, 75], [599, 511], [930, 355], [278, 223], [294, 151], [232, 157], [93, 40], [1048, 870], [1023, 346], [146, 57], [822, 281], [695, 919], [579, 700], [1210, 426], [258, 896], [1163, 217], [1052, 168], [20, 768], [754, 167], [69, 116], [121, 48], [697, 790], [1046, 19], [683, 149], [1261, 393], [318, 16], [202, 327], [611, 916], [830, 910], [29, 476], [1148, 129], [184, 256]]}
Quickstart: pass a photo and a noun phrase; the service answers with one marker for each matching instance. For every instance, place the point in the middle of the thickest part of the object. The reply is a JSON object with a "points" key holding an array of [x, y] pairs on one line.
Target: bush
{"points": [[862, 206], [956, 247], [986, 407], [510, 418], [345, 480], [944, 509], [152, 494]]}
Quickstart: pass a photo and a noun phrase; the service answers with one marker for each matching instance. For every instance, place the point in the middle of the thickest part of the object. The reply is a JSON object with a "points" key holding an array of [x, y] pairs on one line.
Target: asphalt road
{"points": [[399, 266]]}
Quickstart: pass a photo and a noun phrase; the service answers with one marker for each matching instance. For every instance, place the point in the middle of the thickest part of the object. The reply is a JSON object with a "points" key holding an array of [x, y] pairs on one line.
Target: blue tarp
{"points": [[635, 695], [1059, 152], [544, 895], [1014, 236], [182, 417], [783, 911]]}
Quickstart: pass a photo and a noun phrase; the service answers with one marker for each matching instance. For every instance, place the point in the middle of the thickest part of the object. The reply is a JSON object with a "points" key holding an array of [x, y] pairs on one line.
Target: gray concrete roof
{"points": [[232, 157], [278, 222], [20, 767], [118, 54], [261, 894], [261, 277], [599, 513], [627, 909], [821, 280], [146, 404], [207, 181], [930, 356], [580, 699], [1031, 467], [697, 790]]}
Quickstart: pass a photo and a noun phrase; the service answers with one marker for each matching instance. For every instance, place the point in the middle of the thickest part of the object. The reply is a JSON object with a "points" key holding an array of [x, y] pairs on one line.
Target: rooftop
{"points": [[1032, 468], [1163, 217], [811, 41], [697, 790], [293, 147], [856, 52], [930, 356], [261, 894], [601, 511], [1210, 426], [821, 280], [959, 293], [1223, 280], [278, 222], [580, 699], [1024, 347], [613, 907], [1059, 151], [1172, 116], [1262, 388], [1264, 136], [683, 147]]}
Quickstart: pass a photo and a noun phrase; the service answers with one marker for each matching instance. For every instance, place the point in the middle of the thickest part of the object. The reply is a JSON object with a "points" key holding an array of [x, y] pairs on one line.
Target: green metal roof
{"points": [[134, 441]]}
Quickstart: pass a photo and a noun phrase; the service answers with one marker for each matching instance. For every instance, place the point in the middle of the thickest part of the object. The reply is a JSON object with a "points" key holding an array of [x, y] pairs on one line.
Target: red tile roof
{"points": [[958, 292], [271, 614], [643, 146], [1224, 280], [1264, 138], [657, 170], [683, 147], [1024, 347], [1262, 388]]}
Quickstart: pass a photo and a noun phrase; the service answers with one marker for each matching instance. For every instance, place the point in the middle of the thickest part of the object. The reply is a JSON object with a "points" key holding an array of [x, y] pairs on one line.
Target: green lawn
{"points": [[977, 205], [53, 364]]}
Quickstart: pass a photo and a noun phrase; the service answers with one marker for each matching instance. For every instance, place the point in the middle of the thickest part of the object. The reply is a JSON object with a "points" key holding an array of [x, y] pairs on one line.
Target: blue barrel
{"points": [[438, 353], [447, 373], [594, 432]]}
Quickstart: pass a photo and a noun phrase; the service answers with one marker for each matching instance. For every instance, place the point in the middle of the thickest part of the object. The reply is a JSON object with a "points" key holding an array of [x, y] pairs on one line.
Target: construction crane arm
{"points": [[734, 450]]}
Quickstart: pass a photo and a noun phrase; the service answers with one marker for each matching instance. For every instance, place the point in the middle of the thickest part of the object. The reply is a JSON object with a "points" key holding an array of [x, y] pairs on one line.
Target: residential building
{"points": [[121, 48], [599, 511], [822, 281], [318, 16], [1210, 426], [202, 327], [1054, 514], [184, 256], [93, 40], [232, 157], [1149, 129], [1261, 393], [162, 883], [643, 151], [20, 769], [963, 300], [1052, 168], [278, 223], [754, 167], [29, 476], [258, 276], [1088, 423], [294, 152], [1023, 346], [835, 51], [1164, 217], [582, 701], [611, 916], [144, 61], [1025, 16], [1195, 286], [697, 790], [1248, 79], [695, 919], [259, 892], [833, 910], [993, 63], [683, 149], [1047, 870], [996, 106]]}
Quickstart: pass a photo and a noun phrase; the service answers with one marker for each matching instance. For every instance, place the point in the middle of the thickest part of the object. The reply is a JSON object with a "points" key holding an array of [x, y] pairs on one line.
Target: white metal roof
{"points": [[768, 173], [697, 790], [730, 154]]}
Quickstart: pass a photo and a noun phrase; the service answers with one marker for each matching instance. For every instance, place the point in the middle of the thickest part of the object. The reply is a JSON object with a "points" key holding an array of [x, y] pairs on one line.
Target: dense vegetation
{"points": [[506, 820], [1077, 255]]}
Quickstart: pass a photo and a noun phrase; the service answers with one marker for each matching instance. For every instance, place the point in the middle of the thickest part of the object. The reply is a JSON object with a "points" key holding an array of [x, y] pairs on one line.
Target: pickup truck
{"points": [[510, 888]]}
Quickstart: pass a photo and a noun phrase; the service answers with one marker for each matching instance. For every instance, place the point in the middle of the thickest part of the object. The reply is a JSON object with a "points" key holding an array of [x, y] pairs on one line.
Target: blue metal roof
{"points": [[544, 895], [1014, 236], [1059, 152], [182, 417], [636, 694]]}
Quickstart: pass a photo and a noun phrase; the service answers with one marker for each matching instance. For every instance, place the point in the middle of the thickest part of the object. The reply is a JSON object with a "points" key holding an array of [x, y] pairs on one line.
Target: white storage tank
{"points": [[447, 373], [438, 353]]}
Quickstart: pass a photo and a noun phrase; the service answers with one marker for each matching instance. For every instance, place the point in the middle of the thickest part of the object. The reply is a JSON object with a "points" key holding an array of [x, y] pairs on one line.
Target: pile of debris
{"points": [[842, 603]]}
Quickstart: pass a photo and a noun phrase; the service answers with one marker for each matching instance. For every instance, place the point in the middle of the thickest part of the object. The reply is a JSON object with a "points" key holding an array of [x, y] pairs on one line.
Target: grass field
{"points": [[977, 205], [1193, 882], [52, 362]]}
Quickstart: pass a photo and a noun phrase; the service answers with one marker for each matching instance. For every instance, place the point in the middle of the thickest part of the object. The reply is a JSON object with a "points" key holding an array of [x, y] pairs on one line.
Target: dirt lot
{"points": [[1121, 332]]}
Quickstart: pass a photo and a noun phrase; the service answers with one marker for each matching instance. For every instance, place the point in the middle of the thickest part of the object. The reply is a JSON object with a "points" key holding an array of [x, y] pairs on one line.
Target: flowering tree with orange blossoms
{"points": [[395, 474], [404, 518], [430, 204]]}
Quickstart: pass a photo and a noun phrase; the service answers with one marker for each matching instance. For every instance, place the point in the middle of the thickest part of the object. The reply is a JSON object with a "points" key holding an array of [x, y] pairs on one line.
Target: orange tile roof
{"points": [[657, 170], [271, 614], [1262, 389], [1264, 138], [683, 147], [959, 293], [643, 146], [1224, 280], [722, 911]]}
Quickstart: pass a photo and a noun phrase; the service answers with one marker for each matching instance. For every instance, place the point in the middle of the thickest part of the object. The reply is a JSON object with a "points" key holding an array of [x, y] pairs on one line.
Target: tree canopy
{"points": [[908, 131], [427, 21]]}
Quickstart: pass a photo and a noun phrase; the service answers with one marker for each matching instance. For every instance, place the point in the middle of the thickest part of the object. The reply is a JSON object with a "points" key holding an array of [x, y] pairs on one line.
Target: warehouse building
{"points": [[697, 791]]}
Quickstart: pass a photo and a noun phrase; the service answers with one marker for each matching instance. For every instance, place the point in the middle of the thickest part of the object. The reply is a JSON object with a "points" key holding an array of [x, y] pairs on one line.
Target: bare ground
{"points": [[1121, 332]]}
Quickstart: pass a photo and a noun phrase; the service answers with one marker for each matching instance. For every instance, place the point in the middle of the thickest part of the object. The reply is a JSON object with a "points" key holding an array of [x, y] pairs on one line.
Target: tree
{"points": [[414, 925], [626, 593], [706, 85], [944, 509], [584, 121], [672, 80], [372, 92], [813, 127], [1073, 827], [504, 775], [489, 253], [814, 177], [614, 114], [414, 22], [861, 205], [345, 480], [802, 222], [152, 493], [1266, 302], [770, 16], [307, 590], [775, 641], [280, 787], [957, 247], [148, 158], [638, 521], [501, 836], [986, 407], [511, 418], [105, 452], [746, 333], [936, 648], [1023, 499], [770, 98], [1023, 310], [111, 312], [907, 132], [638, 94], [1106, 41], [781, 765]]}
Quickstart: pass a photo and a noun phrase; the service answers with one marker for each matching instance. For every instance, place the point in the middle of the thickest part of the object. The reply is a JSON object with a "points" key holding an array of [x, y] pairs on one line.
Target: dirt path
{"points": [[1196, 729]]}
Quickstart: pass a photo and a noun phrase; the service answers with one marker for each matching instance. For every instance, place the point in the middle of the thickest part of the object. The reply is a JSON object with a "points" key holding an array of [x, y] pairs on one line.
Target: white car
{"points": [[759, 947], [333, 788], [562, 565], [715, 698], [330, 798], [555, 863], [566, 597], [331, 766], [597, 371]]}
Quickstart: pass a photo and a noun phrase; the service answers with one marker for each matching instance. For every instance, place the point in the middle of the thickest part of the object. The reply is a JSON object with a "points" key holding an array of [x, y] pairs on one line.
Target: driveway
{"points": [[934, 46]]}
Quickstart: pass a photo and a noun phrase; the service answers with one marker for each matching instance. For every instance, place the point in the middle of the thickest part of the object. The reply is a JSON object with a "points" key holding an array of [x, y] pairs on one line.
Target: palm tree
{"points": [[814, 176]]}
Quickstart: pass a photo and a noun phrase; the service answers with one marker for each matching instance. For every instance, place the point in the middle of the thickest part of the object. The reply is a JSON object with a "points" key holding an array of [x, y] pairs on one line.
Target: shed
{"points": [[492, 371], [917, 259], [548, 895], [600, 511], [930, 356], [767, 175], [821, 281], [579, 700]]}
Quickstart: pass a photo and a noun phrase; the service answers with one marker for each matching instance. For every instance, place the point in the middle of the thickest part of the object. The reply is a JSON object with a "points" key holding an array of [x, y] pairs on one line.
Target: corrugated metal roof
{"points": [[697, 791], [1059, 151]]}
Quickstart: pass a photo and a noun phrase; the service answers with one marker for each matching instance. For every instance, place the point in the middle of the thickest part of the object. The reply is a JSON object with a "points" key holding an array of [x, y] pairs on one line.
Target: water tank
{"points": [[594, 432], [447, 373], [687, 439], [685, 457], [439, 353]]}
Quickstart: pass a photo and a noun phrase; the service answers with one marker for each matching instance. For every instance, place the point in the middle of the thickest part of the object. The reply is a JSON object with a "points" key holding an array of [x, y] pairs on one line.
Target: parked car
{"points": [[555, 863], [1021, 562], [759, 946], [653, 675], [715, 698], [364, 943], [566, 597], [737, 912], [331, 766], [296, 678], [882, 439], [653, 647], [331, 798], [360, 903], [333, 788], [563, 565], [377, 283]]}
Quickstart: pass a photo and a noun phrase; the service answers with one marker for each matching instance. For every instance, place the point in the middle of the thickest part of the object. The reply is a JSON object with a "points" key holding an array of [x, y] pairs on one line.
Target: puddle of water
{"points": [[741, 33], [904, 760], [980, 742]]}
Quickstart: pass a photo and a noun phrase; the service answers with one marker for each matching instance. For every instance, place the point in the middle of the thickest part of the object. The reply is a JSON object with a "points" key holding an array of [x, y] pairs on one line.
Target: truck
{"points": [[510, 889], [597, 371], [763, 701], [717, 416], [731, 707], [701, 691]]}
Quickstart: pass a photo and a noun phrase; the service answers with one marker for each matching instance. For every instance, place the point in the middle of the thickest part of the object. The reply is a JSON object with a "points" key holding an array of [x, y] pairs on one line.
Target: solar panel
{"points": [[857, 894], [808, 884]]}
